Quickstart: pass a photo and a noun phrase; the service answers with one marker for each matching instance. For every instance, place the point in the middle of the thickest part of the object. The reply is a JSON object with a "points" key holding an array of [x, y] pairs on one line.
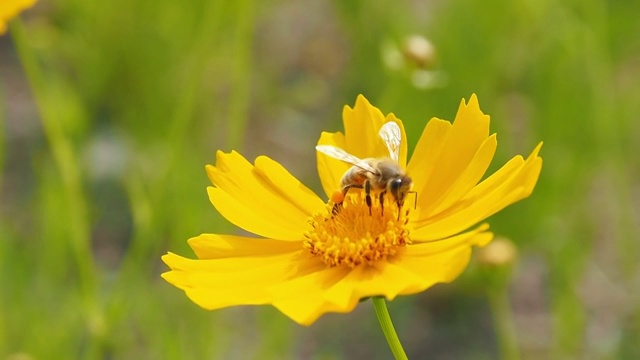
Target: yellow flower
{"points": [[10, 9], [310, 261]]}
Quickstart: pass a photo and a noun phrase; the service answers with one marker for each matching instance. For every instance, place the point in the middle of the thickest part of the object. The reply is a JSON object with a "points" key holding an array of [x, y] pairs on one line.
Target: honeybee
{"points": [[373, 174]]}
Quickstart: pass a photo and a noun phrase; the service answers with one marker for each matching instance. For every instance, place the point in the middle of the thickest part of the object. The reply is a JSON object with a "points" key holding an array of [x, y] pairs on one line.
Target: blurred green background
{"points": [[110, 110]]}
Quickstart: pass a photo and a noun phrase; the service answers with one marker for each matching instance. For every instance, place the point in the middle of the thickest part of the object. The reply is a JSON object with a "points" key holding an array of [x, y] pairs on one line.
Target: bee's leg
{"points": [[367, 191], [381, 198], [338, 200], [336, 208], [415, 199]]}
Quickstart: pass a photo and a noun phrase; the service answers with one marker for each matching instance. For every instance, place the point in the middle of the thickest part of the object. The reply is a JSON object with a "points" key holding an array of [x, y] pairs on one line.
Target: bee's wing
{"points": [[342, 155], [392, 136]]}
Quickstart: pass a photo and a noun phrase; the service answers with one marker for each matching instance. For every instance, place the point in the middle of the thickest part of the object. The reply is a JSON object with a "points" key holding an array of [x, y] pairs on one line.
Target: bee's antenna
{"points": [[415, 199]]}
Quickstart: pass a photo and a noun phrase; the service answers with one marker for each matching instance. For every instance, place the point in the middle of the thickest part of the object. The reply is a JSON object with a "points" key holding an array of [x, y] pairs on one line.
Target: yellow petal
{"points": [[361, 126], [218, 283], [340, 289], [476, 237], [288, 187], [445, 152], [300, 285], [430, 144], [432, 202], [443, 260], [385, 278], [10, 9], [331, 170], [361, 139], [265, 200], [442, 267], [513, 182], [302, 298], [212, 246]]}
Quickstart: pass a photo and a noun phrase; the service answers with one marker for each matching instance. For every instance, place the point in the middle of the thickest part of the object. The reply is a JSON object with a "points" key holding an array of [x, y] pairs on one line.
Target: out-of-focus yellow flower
{"points": [[10, 9], [310, 260]]}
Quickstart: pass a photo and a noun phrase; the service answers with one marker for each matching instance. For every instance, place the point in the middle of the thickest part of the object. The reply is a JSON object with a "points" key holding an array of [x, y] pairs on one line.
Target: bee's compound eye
{"points": [[395, 185]]}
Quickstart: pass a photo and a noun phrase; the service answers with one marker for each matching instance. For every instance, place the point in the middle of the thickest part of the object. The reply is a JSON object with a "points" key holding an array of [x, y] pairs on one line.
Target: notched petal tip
{"points": [[362, 103], [331, 138], [473, 101], [225, 162], [363, 114], [179, 279], [210, 170], [472, 109], [174, 261], [166, 258], [531, 172], [361, 97]]}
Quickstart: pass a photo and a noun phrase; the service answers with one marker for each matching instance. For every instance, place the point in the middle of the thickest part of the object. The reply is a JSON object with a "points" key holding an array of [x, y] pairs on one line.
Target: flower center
{"points": [[352, 235]]}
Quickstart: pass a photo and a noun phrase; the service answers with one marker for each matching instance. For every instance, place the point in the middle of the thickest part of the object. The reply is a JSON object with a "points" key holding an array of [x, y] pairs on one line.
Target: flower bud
{"points": [[419, 51], [500, 252]]}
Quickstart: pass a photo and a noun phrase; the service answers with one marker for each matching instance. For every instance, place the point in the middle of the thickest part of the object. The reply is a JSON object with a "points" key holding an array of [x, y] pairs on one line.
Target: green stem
{"points": [[505, 329], [241, 74], [387, 328], [67, 163], [65, 160]]}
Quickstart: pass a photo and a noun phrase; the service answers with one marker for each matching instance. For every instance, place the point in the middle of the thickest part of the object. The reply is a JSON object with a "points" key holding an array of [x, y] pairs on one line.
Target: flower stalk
{"points": [[389, 331], [503, 320], [65, 160], [496, 261]]}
